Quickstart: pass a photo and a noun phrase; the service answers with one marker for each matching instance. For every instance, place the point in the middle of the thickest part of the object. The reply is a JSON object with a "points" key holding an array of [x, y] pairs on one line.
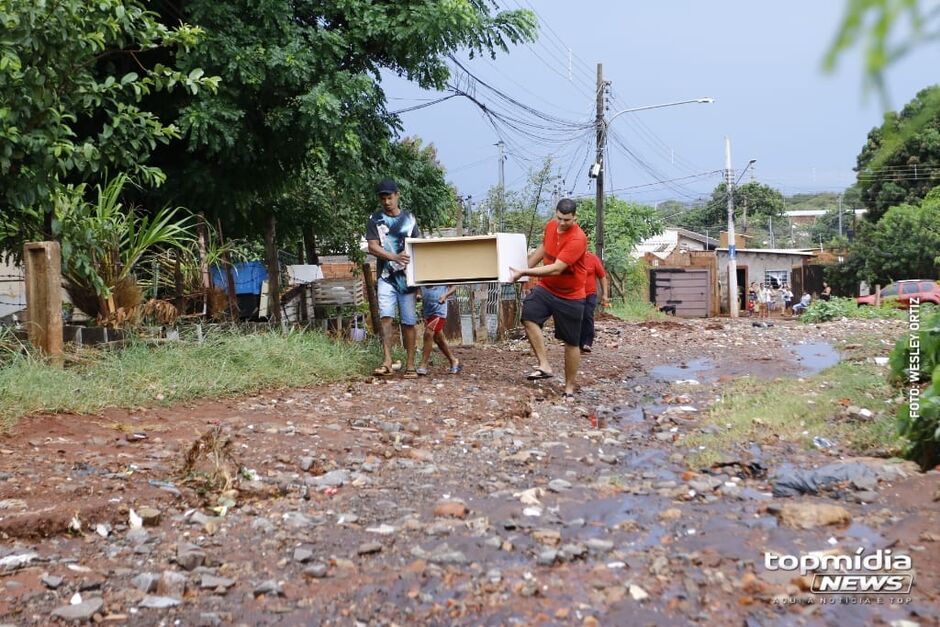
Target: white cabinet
{"points": [[471, 259]]}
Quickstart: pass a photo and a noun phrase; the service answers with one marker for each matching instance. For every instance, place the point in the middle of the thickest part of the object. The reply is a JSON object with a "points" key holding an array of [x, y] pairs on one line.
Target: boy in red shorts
{"points": [[434, 306]]}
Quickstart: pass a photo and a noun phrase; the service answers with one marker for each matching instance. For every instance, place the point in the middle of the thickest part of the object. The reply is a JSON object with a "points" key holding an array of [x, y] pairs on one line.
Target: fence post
{"points": [[369, 281], [43, 262]]}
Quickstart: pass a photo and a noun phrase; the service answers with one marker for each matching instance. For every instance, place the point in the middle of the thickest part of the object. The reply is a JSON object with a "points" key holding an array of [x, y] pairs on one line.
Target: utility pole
{"points": [[773, 242], [599, 159], [502, 185], [840, 215], [732, 248]]}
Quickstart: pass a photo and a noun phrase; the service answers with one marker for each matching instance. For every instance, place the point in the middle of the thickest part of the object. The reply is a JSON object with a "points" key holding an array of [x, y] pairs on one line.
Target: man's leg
{"points": [[572, 363], [534, 333], [409, 336], [587, 323], [409, 318], [387, 307], [387, 342]]}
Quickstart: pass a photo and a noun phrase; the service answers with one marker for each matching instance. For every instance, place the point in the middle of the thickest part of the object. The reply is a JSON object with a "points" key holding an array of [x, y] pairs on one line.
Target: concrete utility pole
{"points": [[732, 248], [773, 242], [502, 185], [840, 215], [599, 159]]}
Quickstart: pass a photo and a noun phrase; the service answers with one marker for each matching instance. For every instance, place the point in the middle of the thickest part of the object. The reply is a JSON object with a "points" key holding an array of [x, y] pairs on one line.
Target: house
{"points": [[673, 239], [694, 283], [762, 265]]}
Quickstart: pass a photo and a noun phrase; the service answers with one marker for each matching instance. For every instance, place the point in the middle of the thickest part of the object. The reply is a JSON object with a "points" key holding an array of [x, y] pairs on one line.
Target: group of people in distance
{"points": [[566, 291], [766, 298]]}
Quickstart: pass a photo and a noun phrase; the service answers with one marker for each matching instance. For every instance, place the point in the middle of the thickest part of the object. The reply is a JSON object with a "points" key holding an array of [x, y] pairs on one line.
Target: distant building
{"points": [[809, 216], [672, 240]]}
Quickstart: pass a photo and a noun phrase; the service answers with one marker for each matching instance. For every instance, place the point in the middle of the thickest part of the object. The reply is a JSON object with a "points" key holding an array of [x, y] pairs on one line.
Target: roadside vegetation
{"points": [[225, 363], [918, 418], [838, 308], [633, 309], [799, 410]]}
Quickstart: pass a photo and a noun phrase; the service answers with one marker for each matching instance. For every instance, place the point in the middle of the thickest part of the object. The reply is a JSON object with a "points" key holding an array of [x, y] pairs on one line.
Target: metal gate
{"points": [[685, 289]]}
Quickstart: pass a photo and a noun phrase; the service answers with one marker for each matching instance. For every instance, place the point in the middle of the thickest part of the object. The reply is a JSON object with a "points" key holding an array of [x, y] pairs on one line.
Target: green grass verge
{"points": [[635, 309], [224, 364], [838, 308], [791, 410]]}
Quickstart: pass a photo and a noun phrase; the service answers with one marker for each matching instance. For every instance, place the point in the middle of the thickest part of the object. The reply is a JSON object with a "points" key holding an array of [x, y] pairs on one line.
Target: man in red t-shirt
{"points": [[559, 294], [594, 270]]}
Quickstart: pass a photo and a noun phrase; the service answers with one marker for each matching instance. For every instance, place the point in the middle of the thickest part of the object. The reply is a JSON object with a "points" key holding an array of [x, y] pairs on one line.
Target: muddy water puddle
{"points": [[815, 357]]}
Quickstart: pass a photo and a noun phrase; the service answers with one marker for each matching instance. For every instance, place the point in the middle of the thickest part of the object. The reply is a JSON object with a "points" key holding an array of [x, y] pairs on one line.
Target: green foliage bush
{"points": [[918, 419], [838, 308]]}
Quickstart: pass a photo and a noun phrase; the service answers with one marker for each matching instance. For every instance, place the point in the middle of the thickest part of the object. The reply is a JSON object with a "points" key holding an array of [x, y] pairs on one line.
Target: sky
{"points": [[760, 61]]}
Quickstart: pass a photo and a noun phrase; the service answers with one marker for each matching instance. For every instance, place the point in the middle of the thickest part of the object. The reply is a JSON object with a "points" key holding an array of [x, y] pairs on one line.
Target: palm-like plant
{"points": [[103, 242]]}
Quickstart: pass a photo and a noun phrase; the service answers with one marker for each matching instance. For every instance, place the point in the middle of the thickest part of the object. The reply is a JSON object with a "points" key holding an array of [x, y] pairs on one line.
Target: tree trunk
{"points": [[369, 280], [310, 246], [180, 300], [274, 278]]}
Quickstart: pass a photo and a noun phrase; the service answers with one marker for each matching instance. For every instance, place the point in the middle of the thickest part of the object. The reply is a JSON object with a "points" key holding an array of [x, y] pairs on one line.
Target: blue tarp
{"points": [[248, 277]]}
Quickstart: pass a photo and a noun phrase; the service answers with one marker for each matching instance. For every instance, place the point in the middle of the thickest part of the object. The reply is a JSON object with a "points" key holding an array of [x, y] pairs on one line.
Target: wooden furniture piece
{"points": [[471, 259]]}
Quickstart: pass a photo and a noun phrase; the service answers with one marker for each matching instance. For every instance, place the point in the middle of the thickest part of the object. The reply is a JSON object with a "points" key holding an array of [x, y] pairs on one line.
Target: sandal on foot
{"points": [[456, 368], [538, 373], [383, 371], [410, 374], [567, 396], [422, 372]]}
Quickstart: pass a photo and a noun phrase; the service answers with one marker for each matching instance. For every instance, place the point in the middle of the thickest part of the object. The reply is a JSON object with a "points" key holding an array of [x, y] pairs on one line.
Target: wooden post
{"points": [[44, 297], [229, 276], [877, 295], [180, 300], [373, 300], [274, 279]]}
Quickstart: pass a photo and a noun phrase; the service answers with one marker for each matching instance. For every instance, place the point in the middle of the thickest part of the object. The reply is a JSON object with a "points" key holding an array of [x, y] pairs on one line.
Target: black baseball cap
{"points": [[387, 186]]}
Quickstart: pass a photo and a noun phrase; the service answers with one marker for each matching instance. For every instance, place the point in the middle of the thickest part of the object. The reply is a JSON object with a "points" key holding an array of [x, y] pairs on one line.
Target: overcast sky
{"points": [[761, 61]]}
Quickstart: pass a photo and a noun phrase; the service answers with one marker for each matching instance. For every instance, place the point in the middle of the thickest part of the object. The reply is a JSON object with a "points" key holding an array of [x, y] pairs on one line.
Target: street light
{"points": [[597, 170], [732, 243], [660, 106]]}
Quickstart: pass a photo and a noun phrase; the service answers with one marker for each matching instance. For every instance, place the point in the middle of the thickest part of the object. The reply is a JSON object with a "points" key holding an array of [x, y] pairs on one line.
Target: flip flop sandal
{"points": [[538, 373], [456, 369], [567, 397], [383, 371], [422, 372], [410, 374]]}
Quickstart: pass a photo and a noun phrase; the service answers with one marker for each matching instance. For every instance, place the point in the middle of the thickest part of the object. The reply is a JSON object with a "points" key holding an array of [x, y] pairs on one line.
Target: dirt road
{"points": [[479, 498]]}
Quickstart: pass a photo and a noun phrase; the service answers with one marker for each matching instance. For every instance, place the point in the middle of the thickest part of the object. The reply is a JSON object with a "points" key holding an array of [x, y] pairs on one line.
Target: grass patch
{"points": [[634, 309], [224, 364], [789, 410], [838, 308]]}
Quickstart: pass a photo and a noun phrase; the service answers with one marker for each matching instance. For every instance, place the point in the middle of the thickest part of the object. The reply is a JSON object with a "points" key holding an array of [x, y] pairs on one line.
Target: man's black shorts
{"points": [[567, 314]]}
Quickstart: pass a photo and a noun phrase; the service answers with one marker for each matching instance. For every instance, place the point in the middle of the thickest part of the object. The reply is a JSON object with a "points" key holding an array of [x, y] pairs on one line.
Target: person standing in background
{"points": [[594, 270]]}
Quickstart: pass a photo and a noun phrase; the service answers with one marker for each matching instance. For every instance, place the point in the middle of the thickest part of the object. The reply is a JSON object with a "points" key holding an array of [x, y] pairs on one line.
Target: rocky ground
{"points": [[479, 498]]}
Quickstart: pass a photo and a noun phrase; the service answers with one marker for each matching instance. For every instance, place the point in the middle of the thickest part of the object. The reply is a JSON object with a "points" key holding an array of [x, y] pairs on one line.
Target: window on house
{"points": [[776, 278]]}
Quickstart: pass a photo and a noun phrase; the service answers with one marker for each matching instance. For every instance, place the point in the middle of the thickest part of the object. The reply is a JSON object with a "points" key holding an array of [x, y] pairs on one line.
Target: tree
{"points": [[898, 163], [753, 202], [302, 97], [67, 114], [873, 24], [904, 244], [625, 225]]}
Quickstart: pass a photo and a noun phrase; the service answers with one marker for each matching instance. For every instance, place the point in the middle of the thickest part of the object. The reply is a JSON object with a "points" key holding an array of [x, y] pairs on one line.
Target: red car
{"points": [[902, 292]]}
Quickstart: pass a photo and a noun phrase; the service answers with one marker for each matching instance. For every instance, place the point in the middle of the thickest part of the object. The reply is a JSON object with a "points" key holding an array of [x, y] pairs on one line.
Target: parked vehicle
{"points": [[902, 292]]}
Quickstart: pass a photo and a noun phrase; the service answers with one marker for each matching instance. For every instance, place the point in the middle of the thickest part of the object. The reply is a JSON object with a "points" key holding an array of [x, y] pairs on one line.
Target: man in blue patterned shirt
{"points": [[386, 231]]}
